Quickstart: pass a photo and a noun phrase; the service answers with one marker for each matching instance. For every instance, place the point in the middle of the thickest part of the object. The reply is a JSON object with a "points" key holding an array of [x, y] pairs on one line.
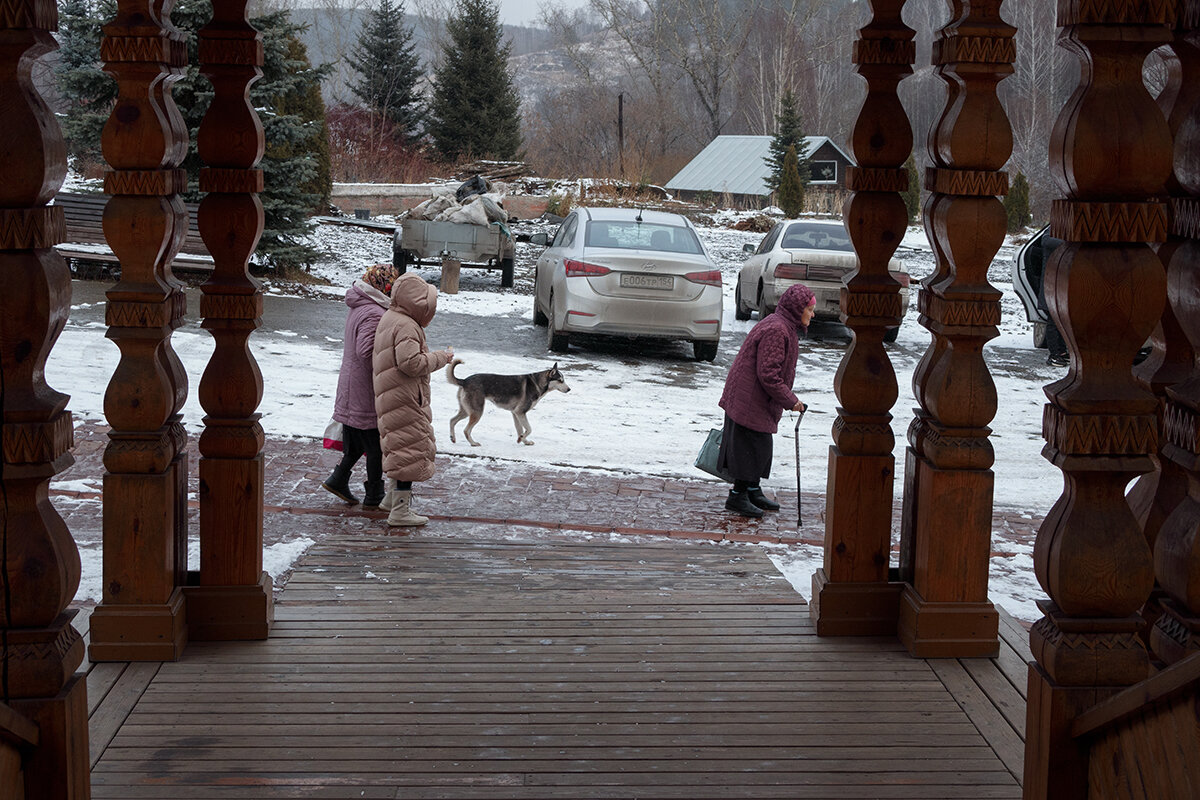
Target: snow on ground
{"points": [[642, 415]]}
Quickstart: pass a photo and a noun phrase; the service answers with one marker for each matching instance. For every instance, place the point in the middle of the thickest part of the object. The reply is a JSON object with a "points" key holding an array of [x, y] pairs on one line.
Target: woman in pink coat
{"points": [[354, 405], [402, 364]]}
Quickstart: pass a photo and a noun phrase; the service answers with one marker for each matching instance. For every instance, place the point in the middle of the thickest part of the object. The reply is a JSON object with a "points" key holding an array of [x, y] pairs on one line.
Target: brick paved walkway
{"points": [[480, 489]]}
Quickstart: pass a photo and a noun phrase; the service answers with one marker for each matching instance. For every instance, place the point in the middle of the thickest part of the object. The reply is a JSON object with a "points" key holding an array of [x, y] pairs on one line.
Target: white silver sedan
{"points": [[817, 253], [627, 272]]}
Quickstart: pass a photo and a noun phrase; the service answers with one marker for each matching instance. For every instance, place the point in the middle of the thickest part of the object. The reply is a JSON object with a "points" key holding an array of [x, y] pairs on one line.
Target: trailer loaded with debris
{"points": [[466, 226]]}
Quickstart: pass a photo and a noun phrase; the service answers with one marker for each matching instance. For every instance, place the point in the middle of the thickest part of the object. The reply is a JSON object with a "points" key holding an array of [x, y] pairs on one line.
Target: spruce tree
{"points": [[89, 92], [475, 111], [788, 133], [1016, 204], [791, 188], [388, 70], [912, 195]]}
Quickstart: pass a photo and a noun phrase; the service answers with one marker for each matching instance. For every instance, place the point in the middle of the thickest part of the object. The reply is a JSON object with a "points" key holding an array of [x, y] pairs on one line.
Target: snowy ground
{"points": [[636, 414]]}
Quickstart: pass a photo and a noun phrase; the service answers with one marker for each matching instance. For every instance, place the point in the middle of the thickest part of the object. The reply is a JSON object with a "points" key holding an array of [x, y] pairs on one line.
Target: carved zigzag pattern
{"points": [[1185, 217], [884, 51], [1079, 221], [125, 314], [1099, 434], [41, 15], [145, 182], [960, 313], [876, 179], [1046, 630], [38, 442], [1181, 427], [30, 228], [144, 49], [880, 305], [232, 307], [967, 182], [1117, 12], [231, 181], [231, 52], [974, 50]]}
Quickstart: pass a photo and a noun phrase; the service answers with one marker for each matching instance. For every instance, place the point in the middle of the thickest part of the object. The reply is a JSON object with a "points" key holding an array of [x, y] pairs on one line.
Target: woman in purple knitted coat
{"points": [[757, 391], [354, 405]]}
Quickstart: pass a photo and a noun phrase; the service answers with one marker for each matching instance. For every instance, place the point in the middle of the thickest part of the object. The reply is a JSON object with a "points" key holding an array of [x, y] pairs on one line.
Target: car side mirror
{"points": [[540, 239], [748, 249]]}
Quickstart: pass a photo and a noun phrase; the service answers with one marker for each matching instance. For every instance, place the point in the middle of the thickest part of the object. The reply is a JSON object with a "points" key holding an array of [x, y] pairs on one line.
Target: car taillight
{"points": [[901, 278], [712, 277], [577, 269], [791, 272]]}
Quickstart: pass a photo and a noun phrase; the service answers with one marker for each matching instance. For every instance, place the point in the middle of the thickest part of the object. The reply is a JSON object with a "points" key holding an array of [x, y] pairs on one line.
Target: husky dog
{"points": [[515, 393]]}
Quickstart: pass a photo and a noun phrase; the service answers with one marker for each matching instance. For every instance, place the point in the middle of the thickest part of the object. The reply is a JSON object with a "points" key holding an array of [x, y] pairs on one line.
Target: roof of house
{"points": [[736, 164]]}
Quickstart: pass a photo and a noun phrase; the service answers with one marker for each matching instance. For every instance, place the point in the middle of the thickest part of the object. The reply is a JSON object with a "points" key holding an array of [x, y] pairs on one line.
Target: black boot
{"points": [[739, 503], [373, 494], [755, 493], [338, 483]]}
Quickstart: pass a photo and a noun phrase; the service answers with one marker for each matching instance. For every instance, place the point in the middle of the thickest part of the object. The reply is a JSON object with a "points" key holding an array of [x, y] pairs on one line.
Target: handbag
{"points": [[707, 459], [333, 435]]}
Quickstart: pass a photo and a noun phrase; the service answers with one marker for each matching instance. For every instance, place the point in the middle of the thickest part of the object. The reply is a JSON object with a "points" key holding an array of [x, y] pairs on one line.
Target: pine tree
{"points": [[88, 91], [791, 188], [388, 70], [788, 133], [475, 111], [1016, 204], [912, 195]]}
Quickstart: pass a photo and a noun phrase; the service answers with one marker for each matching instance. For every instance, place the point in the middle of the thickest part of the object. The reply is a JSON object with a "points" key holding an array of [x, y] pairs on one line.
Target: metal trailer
{"points": [[419, 241]]}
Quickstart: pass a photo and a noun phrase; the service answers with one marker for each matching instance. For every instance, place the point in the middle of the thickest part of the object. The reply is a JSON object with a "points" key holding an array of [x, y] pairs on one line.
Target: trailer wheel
{"points": [[506, 272], [400, 261]]}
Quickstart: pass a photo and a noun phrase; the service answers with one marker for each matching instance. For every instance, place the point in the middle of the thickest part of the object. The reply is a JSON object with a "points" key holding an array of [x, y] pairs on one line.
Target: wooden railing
{"points": [[18, 737], [1144, 742]]}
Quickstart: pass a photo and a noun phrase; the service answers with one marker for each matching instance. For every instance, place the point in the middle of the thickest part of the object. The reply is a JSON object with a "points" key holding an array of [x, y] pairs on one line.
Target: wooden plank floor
{"points": [[536, 665]]}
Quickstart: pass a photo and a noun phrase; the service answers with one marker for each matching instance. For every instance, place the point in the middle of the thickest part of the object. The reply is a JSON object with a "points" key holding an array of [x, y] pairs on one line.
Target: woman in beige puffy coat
{"points": [[401, 365]]}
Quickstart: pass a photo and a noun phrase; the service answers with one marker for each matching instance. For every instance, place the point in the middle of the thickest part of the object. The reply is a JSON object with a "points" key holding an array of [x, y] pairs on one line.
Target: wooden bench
{"points": [[86, 249]]}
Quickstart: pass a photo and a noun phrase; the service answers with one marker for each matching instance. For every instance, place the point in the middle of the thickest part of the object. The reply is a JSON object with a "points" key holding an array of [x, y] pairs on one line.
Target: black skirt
{"points": [[744, 454]]}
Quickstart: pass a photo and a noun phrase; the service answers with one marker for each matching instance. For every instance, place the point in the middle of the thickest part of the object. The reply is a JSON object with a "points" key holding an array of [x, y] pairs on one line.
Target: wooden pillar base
{"points": [[139, 632], [58, 768], [932, 629], [853, 609], [1176, 633], [230, 613], [1056, 764]]}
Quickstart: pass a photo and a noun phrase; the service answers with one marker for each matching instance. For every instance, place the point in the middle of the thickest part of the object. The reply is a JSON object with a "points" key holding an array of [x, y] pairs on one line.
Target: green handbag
{"points": [[707, 459]]}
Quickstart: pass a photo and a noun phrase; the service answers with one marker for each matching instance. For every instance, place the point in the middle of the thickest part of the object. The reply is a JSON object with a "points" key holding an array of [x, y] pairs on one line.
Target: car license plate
{"points": [[634, 280]]}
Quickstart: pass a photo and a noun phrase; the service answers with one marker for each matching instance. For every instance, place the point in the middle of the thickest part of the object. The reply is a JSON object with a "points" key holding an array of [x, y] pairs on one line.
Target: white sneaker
{"points": [[401, 514]]}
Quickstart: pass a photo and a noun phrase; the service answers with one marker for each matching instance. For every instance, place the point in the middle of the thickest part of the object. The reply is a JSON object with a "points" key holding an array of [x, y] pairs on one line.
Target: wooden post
{"points": [[851, 592], [1172, 522], [450, 269], [231, 598], [946, 541], [41, 650], [142, 614], [1110, 154]]}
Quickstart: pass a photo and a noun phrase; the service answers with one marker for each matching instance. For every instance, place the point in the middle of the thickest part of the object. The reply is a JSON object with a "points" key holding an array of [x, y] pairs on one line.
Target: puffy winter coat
{"points": [[759, 386], [354, 404], [402, 364]]}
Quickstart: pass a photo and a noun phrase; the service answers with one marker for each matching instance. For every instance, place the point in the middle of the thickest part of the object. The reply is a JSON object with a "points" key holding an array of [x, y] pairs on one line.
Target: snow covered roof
{"points": [[735, 164]]}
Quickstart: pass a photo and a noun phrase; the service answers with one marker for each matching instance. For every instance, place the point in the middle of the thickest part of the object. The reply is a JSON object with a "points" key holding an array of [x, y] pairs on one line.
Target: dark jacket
{"points": [[758, 388], [355, 401]]}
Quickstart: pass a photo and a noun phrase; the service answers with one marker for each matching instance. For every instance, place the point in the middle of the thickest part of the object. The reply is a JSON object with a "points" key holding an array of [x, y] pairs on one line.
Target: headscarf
{"points": [[793, 302], [381, 277]]}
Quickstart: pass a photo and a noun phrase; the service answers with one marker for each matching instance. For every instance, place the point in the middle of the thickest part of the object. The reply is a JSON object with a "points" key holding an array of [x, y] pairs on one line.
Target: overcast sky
{"points": [[525, 12]]}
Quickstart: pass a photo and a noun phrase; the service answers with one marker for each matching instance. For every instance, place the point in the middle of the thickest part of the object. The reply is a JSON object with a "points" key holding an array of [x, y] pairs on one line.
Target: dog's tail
{"points": [[450, 372]]}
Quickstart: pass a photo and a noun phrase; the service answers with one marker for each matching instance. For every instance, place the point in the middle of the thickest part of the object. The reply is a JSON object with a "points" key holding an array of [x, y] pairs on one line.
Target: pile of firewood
{"points": [[495, 170]]}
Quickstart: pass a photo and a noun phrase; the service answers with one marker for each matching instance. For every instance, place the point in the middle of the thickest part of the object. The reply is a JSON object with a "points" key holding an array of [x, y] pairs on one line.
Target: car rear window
{"points": [[633, 235], [800, 235]]}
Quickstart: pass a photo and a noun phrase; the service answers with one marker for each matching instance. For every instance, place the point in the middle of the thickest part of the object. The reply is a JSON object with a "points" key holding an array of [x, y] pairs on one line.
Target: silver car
{"points": [[816, 253], [627, 272]]}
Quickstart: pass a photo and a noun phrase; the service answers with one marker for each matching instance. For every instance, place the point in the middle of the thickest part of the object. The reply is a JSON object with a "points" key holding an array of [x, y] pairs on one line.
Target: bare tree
{"points": [[774, 60]]}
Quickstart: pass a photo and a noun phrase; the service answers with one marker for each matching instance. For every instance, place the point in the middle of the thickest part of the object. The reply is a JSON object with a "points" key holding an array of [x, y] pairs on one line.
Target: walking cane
{"points": [[799, 516]]}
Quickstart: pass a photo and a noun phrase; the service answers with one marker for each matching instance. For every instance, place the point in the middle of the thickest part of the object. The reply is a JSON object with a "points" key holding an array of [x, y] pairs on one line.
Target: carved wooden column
{"points": [[39, 649], [946, 543], [1176, 633], [1110, 155], [851, 593], [145, 486], [233, 597]]}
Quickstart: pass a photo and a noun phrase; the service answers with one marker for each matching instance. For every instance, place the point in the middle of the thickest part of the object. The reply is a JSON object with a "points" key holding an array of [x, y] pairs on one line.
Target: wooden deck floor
{"points": [[534, 665]]}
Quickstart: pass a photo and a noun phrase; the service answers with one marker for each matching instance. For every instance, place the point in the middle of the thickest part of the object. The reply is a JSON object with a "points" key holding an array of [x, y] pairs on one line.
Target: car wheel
{"points": [[1039, 334], [506, 272], [556, 340], [890, 334], [738, 311], [763, 311], [706, 351], [538, 317]]}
